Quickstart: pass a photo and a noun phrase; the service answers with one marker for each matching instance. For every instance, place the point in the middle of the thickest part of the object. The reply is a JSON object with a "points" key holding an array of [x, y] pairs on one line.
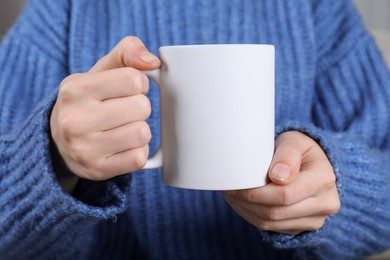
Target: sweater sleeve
{"points": [[351, 122], [37, 219]]}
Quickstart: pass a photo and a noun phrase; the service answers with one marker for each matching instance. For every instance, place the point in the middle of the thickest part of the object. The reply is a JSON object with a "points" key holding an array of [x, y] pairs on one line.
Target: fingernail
{"points": [[281, 171], [149, 58]]}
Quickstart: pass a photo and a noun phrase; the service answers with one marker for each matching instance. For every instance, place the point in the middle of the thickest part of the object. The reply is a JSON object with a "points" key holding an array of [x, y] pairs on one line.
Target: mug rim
{"points": [[216, 45]]}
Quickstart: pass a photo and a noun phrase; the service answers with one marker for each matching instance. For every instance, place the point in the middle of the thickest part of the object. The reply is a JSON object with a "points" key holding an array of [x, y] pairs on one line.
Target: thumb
{"points": [[129, 52], [286, 163]]}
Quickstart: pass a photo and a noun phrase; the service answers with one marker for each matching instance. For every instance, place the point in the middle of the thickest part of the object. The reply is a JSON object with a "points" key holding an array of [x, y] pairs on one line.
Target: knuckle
{"points": [[78, 155], [129, 44], [288, 148], [246, 195], [147, 106], [139, 82], [66, 129], [65, 92], [315, 224], [272, 213], [144, 132], [140, 158], [330, 210], [128, 40], [283, 195], [68, 126], [126, 48], [333, 208], [330, 181], [262, 224], [69, 87], [70, 79], [144, 106], [144, 83]]}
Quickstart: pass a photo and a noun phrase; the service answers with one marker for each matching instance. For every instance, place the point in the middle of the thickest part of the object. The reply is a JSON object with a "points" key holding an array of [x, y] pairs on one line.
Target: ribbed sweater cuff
{"points": [[30, 194], [358, 185]]}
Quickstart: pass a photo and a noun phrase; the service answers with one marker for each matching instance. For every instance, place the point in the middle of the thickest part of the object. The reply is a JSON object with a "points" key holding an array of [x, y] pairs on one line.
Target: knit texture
{"points": [[331, 84]]}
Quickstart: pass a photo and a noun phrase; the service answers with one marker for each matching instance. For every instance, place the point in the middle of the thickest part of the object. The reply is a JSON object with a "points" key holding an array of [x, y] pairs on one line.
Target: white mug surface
{"points": [[217, 115]]}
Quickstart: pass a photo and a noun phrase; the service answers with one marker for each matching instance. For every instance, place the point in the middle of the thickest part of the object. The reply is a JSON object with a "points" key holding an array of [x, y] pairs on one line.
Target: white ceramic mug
{"points": [[217, 115]]}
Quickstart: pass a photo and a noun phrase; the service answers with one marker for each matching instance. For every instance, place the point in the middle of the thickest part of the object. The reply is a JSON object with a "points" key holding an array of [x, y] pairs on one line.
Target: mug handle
{"points": [[156, 161]]}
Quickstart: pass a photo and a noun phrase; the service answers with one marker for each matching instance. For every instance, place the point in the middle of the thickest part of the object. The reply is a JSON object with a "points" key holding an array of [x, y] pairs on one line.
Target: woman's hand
{"points": [[98, 121], [302, 191]]}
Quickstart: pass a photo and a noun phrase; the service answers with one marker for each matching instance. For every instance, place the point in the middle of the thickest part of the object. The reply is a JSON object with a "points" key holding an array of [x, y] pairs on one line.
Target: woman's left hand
{"points": [[302, 192]]}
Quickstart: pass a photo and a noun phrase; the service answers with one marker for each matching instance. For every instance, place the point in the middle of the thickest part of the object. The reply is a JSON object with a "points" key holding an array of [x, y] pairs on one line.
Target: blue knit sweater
{"points": [[331, 83]]}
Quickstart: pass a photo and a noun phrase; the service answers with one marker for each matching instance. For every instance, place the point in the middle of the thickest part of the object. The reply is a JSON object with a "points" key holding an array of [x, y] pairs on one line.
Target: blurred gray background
{"points": [[376, 14], [9, 10]]}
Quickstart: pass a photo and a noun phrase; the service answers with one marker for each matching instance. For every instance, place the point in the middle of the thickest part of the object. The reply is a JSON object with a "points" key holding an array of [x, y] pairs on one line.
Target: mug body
{"points": [[217, 115]]}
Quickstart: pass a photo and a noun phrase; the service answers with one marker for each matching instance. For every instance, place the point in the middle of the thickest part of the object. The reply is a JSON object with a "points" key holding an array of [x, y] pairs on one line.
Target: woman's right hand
{"points": [[98, 121]]}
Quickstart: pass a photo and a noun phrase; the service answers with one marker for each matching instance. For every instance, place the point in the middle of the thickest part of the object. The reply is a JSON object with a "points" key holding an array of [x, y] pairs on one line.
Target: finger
{"points": [[290, 226], [105, 85], [308, 207], [285, 165], [127, 161], [124, 138], [308, 184], [129, 52], [118, 83], [121, 111]]}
